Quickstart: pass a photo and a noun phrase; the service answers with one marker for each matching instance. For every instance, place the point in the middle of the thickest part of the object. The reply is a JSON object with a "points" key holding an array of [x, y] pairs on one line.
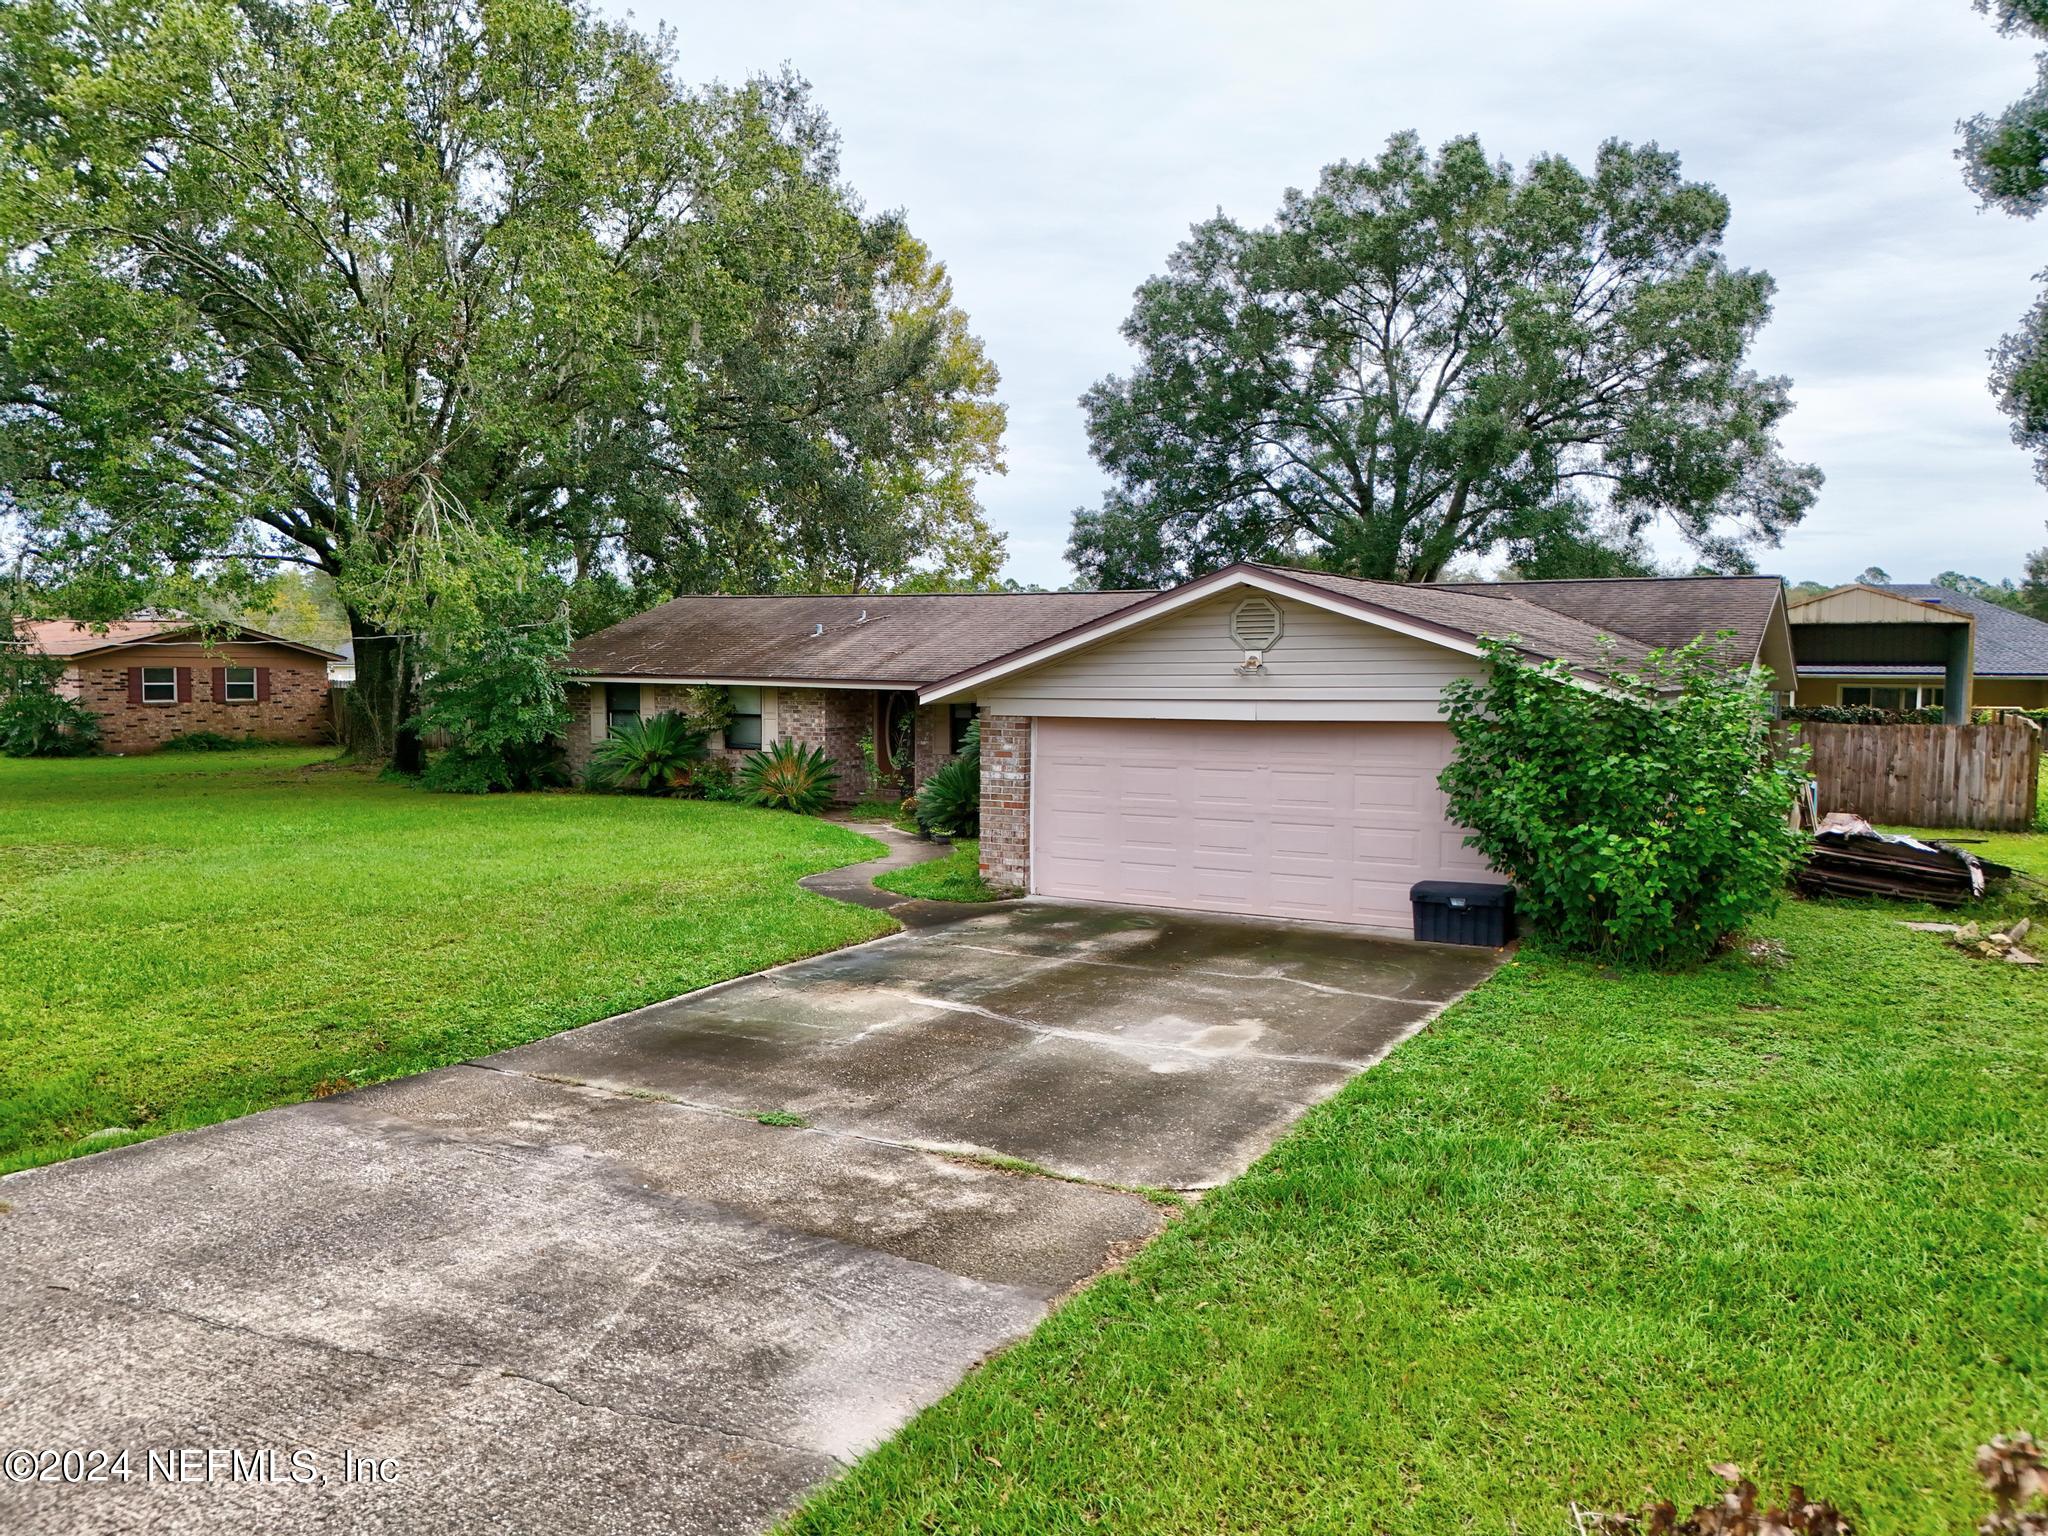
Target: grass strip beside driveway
{"points": [[186, 939], [1589, 1233], [956, 876]]}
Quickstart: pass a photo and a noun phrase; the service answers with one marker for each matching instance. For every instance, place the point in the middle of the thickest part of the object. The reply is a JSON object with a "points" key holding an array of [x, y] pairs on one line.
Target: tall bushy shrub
{"points": [[494, 663], [1644, 820], [35, 719]]}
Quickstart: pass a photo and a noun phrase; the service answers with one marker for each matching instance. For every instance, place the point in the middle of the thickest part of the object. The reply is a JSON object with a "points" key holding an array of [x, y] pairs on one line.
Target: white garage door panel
{"points": [[1326, 822]]}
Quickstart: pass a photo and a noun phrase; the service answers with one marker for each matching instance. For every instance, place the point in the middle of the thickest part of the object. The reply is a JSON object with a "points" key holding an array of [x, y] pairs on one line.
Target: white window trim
{"points": [[170, 682], [230, 685]]}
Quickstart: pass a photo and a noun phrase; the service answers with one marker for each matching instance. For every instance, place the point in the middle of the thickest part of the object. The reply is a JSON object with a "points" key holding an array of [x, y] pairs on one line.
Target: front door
{"points": [[895, 738]]}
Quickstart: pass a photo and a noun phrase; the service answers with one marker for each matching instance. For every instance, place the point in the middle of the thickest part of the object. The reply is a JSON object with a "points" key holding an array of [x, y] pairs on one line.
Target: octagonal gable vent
{"points": [[1255, 623]]}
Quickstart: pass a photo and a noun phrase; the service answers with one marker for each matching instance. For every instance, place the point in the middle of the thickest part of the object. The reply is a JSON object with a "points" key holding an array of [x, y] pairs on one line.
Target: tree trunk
{"points": [[384, 698]]}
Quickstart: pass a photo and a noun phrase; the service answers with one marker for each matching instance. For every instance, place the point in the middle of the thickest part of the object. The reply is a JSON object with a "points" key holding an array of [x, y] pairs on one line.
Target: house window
{"points": [[621, 705], [241, 687], [744, 730], [959, 717], [1898, 699], [159, 685]]}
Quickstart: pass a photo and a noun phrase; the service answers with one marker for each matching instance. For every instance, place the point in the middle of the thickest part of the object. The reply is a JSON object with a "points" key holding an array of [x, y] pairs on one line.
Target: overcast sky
{"points": [[1053, 154]]}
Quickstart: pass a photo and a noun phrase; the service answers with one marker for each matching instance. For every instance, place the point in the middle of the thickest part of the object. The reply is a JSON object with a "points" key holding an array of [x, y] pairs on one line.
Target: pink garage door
{"points": [[1326, 822]]}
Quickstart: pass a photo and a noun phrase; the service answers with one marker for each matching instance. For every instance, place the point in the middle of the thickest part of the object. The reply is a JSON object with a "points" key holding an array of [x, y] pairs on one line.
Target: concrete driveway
{"points": [[578, 1287]]}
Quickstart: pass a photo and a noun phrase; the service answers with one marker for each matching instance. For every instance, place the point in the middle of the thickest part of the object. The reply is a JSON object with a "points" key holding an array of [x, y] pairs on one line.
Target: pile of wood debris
{"points": [[1849, 857]]}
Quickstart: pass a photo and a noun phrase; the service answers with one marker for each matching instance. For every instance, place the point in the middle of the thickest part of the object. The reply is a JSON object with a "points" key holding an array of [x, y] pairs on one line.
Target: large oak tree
{"points": [[366, 284], [1432, 356]]}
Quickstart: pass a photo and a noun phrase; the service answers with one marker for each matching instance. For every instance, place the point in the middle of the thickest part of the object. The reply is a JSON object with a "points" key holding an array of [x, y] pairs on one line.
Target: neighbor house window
{"points": [[960, 717], [241, 685], [621, 705], [1898, 699], [745, 727], [159, 685]]}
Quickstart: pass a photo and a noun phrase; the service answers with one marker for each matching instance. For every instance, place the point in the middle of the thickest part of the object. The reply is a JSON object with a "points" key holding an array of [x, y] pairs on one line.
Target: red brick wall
{"points": [[576, 743], [832, 718], [835, 719], [1006, 801], [296, 711]]}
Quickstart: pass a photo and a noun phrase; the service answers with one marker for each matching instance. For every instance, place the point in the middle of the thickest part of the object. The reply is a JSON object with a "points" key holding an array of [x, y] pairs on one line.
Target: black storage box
{"points": [[1463, 912]]}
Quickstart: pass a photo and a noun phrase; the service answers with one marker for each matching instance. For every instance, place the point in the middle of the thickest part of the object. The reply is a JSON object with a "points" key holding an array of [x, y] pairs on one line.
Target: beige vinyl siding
{"points": [[1860, 605], [1325, 666]]}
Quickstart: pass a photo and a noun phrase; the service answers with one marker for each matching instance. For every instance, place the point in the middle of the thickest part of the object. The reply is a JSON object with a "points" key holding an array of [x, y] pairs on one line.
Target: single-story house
{"points": [[148, 680], [1918, 646], [1262, 740]]}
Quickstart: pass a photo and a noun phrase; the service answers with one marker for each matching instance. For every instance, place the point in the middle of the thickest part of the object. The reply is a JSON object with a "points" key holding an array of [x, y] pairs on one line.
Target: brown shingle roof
{"points": [[912, 640], [68, 637], [1498, 611], [1659, 611], [909, 639]]}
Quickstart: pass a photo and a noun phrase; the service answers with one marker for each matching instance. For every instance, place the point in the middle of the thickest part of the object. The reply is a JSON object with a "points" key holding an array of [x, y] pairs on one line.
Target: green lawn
{"points": [[955, 877], [1586, 1235], [187, 938]]}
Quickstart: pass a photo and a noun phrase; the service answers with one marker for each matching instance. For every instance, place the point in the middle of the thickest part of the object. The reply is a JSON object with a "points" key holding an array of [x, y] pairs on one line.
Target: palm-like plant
{"points": [[649, 757], [788, 777], [949, 802]]}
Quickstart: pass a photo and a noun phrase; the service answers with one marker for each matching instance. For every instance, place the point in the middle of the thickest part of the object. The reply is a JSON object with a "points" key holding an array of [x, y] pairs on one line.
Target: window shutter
{"points": [[220, 685], [184, 684], [600, 703], [135, 685], [262, 684]]}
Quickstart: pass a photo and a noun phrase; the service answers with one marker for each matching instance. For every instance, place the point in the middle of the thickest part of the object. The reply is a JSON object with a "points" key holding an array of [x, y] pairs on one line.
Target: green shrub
{"points": [[38, 721], [466, 770], [650, 757], [715, 779], [495, 687], [1863, 714], [1643, 821], [208, 741], [788, 777], [710, 705]]}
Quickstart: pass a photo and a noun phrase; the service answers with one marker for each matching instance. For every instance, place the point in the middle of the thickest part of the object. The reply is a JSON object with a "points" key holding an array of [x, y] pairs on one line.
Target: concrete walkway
{"points": [[577, 1286], [855, 882]]}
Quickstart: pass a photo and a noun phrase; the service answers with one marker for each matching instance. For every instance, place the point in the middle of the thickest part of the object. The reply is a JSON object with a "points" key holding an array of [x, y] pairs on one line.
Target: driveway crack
{"points": [[983, 1157]]}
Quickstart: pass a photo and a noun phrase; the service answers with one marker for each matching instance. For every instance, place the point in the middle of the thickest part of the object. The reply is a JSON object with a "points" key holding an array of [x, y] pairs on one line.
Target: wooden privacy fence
{"points": [[1984, 776]]}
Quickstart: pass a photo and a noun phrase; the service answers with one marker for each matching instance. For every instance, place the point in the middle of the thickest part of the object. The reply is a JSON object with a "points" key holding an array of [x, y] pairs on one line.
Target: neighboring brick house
{"points": [[148, 680], [1258, 741]]}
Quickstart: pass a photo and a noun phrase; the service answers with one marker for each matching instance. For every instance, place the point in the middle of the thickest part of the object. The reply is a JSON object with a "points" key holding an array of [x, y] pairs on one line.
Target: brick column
{"points": [[1006, 801]]}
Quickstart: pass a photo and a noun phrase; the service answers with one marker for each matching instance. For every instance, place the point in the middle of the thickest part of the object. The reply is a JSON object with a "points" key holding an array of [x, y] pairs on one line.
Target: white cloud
{"points": [[1053, 154]]}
